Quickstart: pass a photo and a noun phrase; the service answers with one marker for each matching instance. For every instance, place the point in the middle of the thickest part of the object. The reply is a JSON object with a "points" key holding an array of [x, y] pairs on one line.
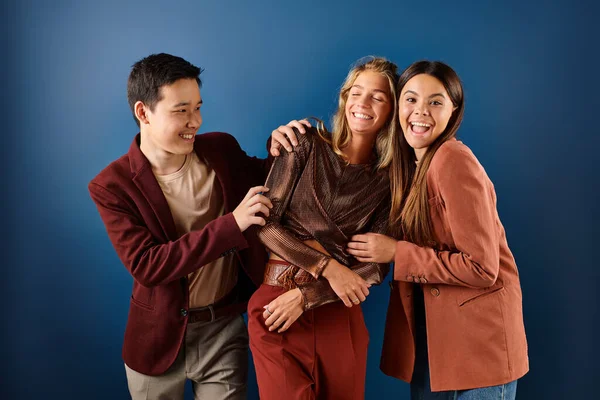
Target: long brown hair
{"points": [[410, 207], [341, 134]]}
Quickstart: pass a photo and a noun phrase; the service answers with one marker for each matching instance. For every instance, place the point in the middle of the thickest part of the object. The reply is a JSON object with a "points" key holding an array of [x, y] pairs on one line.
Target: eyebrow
{"points": [[433, 95], [375, 90], [186, 103]]}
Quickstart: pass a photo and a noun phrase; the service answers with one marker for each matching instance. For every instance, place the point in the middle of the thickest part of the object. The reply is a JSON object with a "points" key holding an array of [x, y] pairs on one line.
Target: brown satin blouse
{"points": [[317, 195]]}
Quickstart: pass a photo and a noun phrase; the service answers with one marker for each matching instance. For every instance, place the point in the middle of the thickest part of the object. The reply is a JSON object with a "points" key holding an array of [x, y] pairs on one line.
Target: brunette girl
{"points": [[454, 327]]}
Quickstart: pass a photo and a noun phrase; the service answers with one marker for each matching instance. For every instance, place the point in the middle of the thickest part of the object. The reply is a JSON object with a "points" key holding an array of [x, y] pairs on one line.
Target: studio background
{"points": [[531, 81]]}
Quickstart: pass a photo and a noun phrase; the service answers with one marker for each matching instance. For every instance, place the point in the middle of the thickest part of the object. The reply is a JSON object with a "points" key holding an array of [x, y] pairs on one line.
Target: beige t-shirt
{"points": [[195, 198]]}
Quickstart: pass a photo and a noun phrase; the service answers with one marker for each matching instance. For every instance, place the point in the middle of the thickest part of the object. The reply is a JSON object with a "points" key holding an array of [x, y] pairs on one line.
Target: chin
{"points": [[364, 131], [183, 150]]}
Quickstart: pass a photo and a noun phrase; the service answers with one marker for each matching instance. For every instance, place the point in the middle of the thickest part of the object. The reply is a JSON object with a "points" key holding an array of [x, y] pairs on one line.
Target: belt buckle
{"points": [[287, 278], [212, 312], [289, 284], [200, 310]]}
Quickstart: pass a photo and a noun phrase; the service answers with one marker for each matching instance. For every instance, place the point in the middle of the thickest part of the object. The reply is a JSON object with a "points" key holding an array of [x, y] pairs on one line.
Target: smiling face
{"points": [[424, 109], [170, 128], [368, 105]]}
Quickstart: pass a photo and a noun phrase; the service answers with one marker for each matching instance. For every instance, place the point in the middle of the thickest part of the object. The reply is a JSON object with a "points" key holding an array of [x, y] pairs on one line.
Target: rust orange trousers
{"points": [[322, 356]]}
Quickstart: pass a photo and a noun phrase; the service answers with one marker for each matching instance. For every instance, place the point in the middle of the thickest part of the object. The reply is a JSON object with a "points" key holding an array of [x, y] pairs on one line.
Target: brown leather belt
{"points": [[225, 306], [285, 275]]}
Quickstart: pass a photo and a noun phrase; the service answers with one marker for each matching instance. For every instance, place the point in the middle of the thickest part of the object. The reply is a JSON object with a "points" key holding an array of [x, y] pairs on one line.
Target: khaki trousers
{"points": [[214, 357]]}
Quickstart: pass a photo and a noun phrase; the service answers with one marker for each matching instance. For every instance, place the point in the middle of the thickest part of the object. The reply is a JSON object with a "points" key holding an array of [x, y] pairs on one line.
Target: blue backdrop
{"points": [[532, 97]]}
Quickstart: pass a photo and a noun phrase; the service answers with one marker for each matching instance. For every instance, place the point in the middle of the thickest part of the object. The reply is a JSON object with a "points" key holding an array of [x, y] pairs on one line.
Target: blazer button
{"points": [[409, 278], [423, 280], [183, 312], [435, 291]]}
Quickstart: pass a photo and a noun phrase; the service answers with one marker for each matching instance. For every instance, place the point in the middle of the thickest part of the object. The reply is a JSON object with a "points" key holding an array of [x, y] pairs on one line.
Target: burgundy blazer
{"points": [[141, 228], [472, 293]]}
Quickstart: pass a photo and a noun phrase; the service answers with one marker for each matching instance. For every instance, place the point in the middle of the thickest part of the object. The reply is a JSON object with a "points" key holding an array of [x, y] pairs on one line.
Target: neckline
{"points": [[180, 172]]}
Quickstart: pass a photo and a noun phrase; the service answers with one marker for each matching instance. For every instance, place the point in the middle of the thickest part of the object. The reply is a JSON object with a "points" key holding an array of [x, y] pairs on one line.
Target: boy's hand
{"points": [[254, 202], [285, 136]]}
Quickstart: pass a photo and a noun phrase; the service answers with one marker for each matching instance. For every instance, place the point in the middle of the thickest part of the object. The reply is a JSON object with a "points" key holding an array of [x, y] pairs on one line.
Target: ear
{"points": [[141, 112]]}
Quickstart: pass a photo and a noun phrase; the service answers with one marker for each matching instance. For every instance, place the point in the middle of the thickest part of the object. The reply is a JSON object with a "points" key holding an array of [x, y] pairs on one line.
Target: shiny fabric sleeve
{"points": [[316, 294], [471, 218], [282, 181]]}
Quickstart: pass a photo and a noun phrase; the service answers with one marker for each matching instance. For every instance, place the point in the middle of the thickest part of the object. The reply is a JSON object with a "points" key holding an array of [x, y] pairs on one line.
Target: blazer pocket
{"points": [[141, 305], [143, 295], [468, 295]]}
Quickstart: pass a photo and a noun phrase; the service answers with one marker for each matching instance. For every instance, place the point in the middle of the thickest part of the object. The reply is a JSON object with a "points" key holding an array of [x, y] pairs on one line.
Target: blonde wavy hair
{"points": [[341, 134]]}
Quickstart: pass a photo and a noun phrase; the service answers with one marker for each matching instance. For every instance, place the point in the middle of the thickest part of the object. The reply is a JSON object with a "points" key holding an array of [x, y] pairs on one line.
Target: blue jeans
{"points": [[420, 388]]}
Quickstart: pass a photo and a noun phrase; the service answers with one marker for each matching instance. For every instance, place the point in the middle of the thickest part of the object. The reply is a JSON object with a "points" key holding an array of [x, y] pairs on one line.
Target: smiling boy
{"points": [[179, 209]]}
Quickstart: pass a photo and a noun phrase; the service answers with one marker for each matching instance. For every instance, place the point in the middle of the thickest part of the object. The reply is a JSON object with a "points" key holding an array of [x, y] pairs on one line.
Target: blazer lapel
{"points": [[144, 179], [217, 161]]}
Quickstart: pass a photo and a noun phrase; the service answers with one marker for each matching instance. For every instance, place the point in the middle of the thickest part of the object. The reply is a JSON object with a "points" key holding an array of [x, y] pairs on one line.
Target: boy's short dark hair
{"points": [[149, 74]]}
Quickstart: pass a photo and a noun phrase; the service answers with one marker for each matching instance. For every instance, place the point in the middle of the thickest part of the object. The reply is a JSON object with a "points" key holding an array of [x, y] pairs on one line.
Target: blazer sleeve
{"points": [[151, 262], [318, 293], [251, 167], [471, 219], [263, 165], [282, 181]]}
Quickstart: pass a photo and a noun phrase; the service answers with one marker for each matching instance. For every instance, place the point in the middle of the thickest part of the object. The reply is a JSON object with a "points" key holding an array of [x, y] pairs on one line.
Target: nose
{"points": [[195, 120], [421, 108], [362, 101]]}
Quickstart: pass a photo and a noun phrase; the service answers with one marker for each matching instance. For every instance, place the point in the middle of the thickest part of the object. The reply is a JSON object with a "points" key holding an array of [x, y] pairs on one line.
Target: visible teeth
{"points": [[421, 124], [362, 116], [187, 137]]}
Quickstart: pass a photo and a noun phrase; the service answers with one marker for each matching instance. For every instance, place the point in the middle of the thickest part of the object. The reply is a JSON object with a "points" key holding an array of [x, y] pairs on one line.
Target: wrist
{"points": [[297, 294], [300, 298], [237, 221], [393, 250], [328, 269]]}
